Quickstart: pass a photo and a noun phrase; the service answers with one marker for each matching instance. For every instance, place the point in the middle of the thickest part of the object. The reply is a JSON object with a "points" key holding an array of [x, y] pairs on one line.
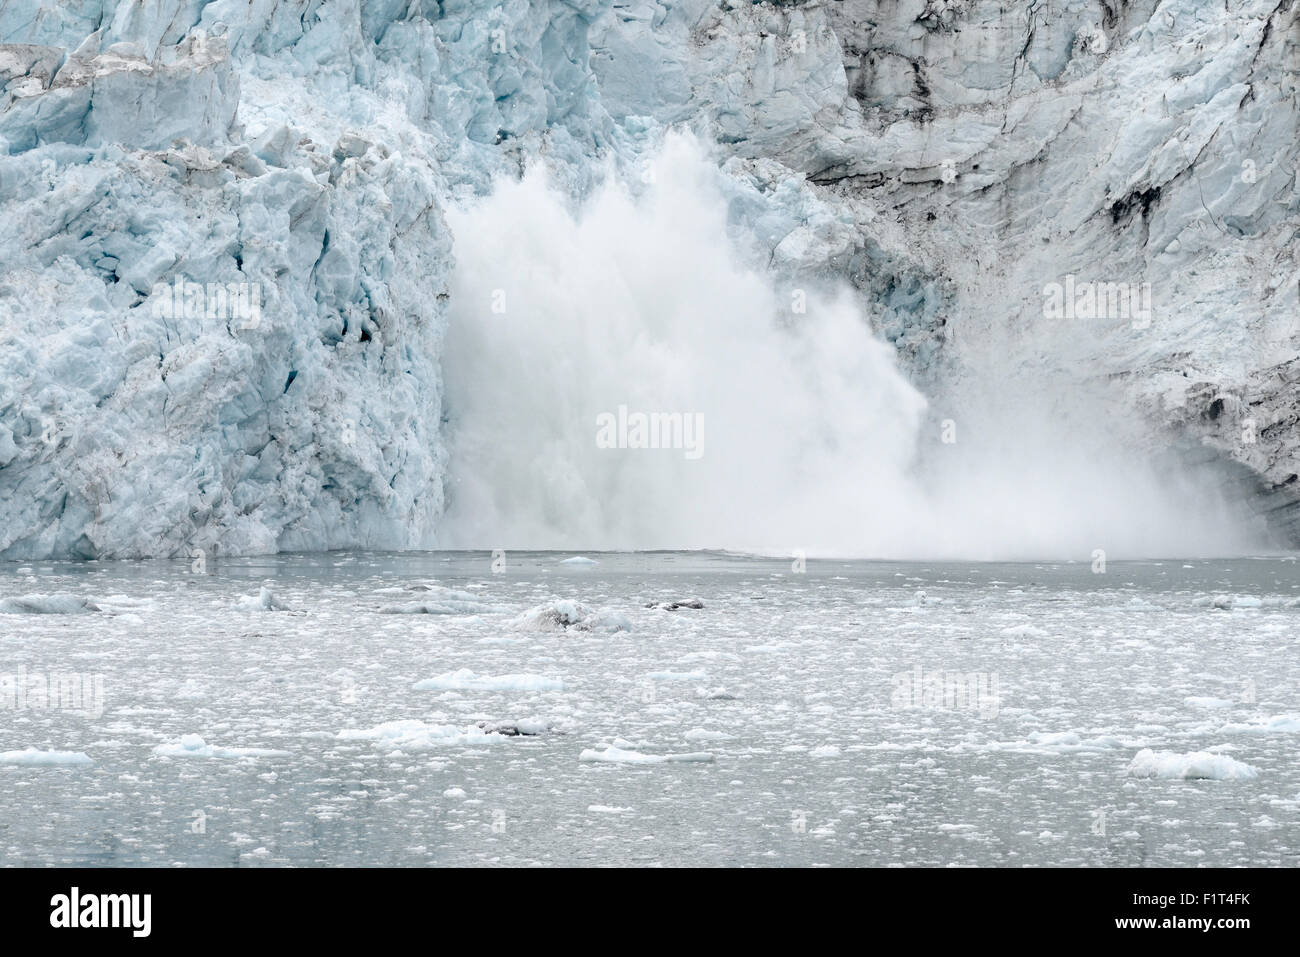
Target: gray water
{"points": [[796, 683]]}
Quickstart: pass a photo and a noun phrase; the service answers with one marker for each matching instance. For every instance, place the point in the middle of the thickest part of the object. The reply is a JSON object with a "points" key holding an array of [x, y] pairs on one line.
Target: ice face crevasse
{"points": [[948, 159], [224, 260]]}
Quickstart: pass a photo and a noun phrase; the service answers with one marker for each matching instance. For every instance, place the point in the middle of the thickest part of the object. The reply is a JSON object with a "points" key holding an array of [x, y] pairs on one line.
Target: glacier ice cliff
{"points": [[226, 266]]}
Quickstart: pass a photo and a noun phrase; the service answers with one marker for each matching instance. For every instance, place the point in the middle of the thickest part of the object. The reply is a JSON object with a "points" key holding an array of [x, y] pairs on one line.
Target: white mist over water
{"points": [[811, 434]]}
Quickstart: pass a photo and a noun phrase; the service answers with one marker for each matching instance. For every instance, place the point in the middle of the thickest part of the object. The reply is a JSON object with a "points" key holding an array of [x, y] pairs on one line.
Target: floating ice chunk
{"points": [[193, 746], [1228, 602], [613, 755], [825, 751], [1135, 604], [770, 648], [527, 727], [437, 608], [678, 676], [34, 757], [59, 603], [699, 734], [1202, 702], [1277, 724], [1046, 742], [417, 736], [715, 694], [579, 560], [607, 809], [265, 600], [675, 605], [566, 614], [1023, 631], [435, 590], [454, 793], [438, 600], [1198, 765], [466, 680], [1054, 738]]}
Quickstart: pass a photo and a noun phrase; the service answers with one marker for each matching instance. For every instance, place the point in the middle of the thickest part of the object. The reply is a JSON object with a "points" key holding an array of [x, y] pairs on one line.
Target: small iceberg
{"points": [[1228, 602], [34, 757], [700, 734], [466, 680], [567, 615], [678, 676], [193, 746], [436, 608], [265, 600], [1196, 766], [56, 604], [526, 727], [675, 605], [438, 600], [418, 736], [614, 755], [1274, 724]]}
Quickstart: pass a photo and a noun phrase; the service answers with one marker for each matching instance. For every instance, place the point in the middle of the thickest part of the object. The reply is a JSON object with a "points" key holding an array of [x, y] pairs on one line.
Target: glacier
{"points": [[306, 175]]}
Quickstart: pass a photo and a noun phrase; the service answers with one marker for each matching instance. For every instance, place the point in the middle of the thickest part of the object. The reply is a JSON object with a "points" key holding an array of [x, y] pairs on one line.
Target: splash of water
{"points": [[566, 326]]}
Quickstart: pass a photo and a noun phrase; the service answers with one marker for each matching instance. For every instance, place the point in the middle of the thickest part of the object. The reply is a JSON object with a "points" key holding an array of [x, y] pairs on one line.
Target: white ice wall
{"points": [[962, 153]]}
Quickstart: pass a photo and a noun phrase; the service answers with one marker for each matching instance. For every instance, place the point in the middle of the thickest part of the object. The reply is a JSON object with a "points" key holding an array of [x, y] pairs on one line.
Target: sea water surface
{"points": [[835, 713]]}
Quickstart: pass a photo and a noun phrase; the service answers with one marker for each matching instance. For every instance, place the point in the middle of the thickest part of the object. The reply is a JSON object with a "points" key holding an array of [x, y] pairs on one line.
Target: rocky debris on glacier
{"points": [[224, 287]]}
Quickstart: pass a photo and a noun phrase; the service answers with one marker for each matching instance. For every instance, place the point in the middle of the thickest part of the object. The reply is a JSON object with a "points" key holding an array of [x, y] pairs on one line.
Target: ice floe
{"points": [[678, 676], [34, 757], [675, 605], [700, 734], [193, 746], [438, 600], [565, 614], [1277, 724], [264, 600], [56, 604], [466, 680], [615, 755], [414, 735], [1198, 765], [526, 727]]}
